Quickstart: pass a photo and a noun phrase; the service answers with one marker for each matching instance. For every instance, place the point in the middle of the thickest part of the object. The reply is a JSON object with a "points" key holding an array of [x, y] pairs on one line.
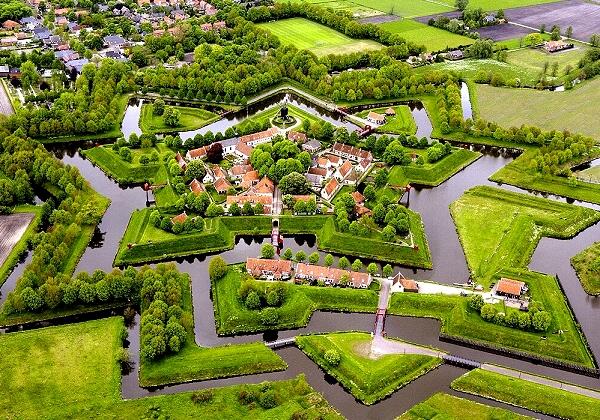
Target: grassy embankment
{"points": [[587, 267], [367, 378], [532, 396], [401, 123], [71, 371], [21, 246], [191, 119], [194, 363], [319, 39], [449, 407], [300, 301], [520, 174], [432, 174], [142, 242]]}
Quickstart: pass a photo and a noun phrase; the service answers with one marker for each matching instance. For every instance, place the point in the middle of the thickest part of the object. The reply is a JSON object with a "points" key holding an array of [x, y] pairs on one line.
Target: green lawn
{"points": [[590, 174], [521, 393], [434, 39], [348, 6], [191, 119], [498, 228], [366, 377], [317, 38], [571, 110], [300, 301], [143, 242], [407, 9], [534, 59], [71, 371], [401, 123], [432, 174], [520, 174], [449, 407], [260, 118], [587, 267]]}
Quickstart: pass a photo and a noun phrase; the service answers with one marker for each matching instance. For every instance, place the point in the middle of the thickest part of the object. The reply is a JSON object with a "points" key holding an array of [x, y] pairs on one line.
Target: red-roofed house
{"points": [[264, 187], [510, 288], [355, 154], [249, 179], [180, 218], [222, 185], [376, 118], [10, 25], [330, 189], [198, 153], [196, 187], [297, 137], [359, 199], [261, 137], [180, 161], [242, 150], [269, 269], [253, 199], [344, 170], [331, 276]]}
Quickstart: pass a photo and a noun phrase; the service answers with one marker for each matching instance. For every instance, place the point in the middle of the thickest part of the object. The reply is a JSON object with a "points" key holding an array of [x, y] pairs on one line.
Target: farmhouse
{"points": [[376, 118], [555, 46], [350, 152], [331, 276], [510, 288], [269, 269], [405, 285]]}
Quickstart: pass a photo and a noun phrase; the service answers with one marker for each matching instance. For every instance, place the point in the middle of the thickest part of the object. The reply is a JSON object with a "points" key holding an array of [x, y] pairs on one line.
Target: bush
{"points": [[269, 316], [267, 400], [203, 396], [476, 302], [273, 298], [267, 251], [217, 268], [252, 300], [332, 357]]}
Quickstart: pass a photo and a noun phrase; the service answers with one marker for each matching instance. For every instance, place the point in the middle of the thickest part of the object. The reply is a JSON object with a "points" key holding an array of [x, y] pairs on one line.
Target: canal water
{"points": [[551, 256]]}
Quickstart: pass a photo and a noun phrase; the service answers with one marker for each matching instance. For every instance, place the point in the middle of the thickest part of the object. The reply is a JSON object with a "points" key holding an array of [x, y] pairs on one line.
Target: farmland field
{"points": [[500, 4], [407, 8], [434, 39], [535, 59], [12, 227], [591, 174], [571, 110], [317, 38]]}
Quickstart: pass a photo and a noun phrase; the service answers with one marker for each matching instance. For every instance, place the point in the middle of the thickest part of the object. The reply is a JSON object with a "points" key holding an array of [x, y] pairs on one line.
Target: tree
{"points": [[357, 265], [195, 170], [555, 34], [159, 107], [332, 357], [381, 177], [29, 74], [369, 193], [387, 270], [171, 116], [217, 268], [541, 321], [388, 233], [533, 39], [273, 298], [461, 4], [300, 256], [569, 32], [328, 260], [372, 269], [234, 209], [252, 300], [294, 183], [595, 40], [267, 251], [287, 254], [476, 302], [215, 153], [343, 263], [314, 258], [488, 312], [481, 48]]}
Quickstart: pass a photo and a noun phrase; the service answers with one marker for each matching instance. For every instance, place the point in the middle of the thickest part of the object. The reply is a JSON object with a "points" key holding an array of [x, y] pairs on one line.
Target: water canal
{"points": [[551, 256]]}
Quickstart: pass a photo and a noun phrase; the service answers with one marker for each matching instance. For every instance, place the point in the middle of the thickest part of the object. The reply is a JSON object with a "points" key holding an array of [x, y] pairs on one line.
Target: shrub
{"points": [[476, 302], [488, 312], [203, 396], [332, 357], [541, 321], [267, 251], [267, 400], [252, 300], [217, 268], [273, 298], [269, 316]]}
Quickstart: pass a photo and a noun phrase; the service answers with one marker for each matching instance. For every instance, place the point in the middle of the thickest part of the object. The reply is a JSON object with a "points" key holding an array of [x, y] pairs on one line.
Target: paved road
{"points": [[5, 105], [542, 380]]}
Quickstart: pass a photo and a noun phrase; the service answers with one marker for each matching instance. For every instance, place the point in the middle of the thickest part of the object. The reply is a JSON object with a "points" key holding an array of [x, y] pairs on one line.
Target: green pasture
{"points": [[191, 119], [587, 267], [434, 39]]}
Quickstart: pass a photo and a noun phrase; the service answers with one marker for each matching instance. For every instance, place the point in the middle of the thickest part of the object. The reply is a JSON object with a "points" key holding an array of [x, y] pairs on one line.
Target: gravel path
{"points": [[5, 105]]}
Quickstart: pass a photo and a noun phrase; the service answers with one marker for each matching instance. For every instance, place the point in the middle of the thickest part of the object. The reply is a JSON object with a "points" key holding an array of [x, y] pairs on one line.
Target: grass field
{"points": [[498, 228], [449, 407], [71, 371], [317, 38], [233, 317], [591, 174], [152, 244], [433, 38], [433, 174], [521, 393], [520, 174], [406, 9], [367, 378], [267, 115], [347, 6], [535, 59], [500, 4], [570, 110], [191, 119], [401, 123], [587, 267]]}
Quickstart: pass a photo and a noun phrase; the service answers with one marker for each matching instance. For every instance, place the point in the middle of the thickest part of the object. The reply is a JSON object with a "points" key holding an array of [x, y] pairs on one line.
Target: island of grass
{"points": [[434, 39], [17, 230], [520, 174], [367, 377], [587, 267], [134, 172], [498, 228], [264, 119], [400, 123], [232, 316], [533, 396], [191, 119], [319, 39], [194, 363], [142, 242], [455, 408], [432, 174], [77, 365]]}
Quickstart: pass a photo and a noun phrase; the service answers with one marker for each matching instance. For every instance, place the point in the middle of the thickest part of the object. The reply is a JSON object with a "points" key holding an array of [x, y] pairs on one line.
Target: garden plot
{"points": [[12, 228]]}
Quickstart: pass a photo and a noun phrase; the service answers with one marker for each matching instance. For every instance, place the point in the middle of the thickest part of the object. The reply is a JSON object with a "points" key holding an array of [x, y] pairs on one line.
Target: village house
{"points": [[344, 171], [331, 276], [330, 189], [180, 161], [114, 41], [376, 118], [510, 288], [10, 25], [261, 137], [213, 173], [222, 185], [238, 171], [319, 175], [229, 145], [249, 179], [355, 154], [180, 218], [8, 41], [312, 146], [242, 150], [198, 153], [390, 112], [555, 46], [252, 199], [297, 137], [197, 187], [269, 269], [264, 187], [359, 199], [455, 55], [405, 285]]}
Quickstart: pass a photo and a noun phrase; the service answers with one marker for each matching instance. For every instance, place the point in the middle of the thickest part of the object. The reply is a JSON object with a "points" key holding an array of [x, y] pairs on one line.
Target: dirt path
{"points": [[382, 346]]}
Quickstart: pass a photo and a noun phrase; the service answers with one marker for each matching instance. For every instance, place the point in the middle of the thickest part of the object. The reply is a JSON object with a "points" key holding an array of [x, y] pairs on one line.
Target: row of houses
{"points": [[268, 269]]}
